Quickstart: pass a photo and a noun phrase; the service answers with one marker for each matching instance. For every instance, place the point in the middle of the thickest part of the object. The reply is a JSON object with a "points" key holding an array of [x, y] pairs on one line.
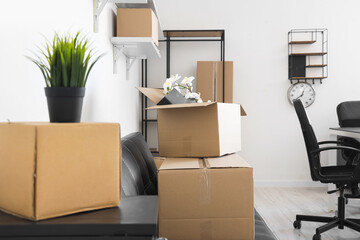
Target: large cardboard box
{"points": [[209, 80], [199, 129], [210, 198], [51, 169], [137, 22], [207, 129]]}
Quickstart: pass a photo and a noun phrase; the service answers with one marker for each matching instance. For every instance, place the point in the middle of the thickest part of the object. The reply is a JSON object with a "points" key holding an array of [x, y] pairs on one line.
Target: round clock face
{"points": [[303, 91]]}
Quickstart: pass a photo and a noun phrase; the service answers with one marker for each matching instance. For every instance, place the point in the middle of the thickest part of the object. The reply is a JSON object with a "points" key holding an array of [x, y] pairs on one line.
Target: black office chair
{"points": [[342, 176], [349, 116], [139, 173]]}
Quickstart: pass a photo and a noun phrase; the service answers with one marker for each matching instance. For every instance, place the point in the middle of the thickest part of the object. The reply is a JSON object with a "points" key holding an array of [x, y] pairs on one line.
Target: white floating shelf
{"points": [[134, 48]]}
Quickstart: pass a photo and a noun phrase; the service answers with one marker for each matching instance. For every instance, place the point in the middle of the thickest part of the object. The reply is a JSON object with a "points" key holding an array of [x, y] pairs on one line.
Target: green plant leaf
{"points": [[64, 61]]}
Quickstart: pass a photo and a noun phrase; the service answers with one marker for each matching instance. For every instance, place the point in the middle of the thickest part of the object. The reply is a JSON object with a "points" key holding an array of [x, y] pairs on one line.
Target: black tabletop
{"points": [[136, 216]]}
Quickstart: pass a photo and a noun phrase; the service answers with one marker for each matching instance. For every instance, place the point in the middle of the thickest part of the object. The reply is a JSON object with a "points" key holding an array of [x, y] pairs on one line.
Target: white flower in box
{"points": [[186, 84], [171, 83]]}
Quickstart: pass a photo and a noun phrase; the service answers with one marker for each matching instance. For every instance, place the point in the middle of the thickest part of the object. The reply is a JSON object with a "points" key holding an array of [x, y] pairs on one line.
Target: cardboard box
{"points": [[54, 169], [158, 161], [209, 198], [198, 129], [137, 22], [209, 82], [207, 129]]}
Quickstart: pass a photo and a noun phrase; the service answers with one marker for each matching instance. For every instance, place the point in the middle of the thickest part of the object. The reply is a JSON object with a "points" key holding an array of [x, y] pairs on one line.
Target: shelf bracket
{"points": [[118, 50], [97, 11]]}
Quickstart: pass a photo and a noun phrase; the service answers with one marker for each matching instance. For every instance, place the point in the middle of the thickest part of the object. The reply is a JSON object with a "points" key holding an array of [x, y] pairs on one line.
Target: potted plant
{"points": [[65, 65]]}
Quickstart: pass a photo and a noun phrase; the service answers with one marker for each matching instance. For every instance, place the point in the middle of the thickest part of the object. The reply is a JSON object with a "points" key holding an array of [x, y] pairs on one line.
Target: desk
{"points": [[352, 132], [135, 219]]}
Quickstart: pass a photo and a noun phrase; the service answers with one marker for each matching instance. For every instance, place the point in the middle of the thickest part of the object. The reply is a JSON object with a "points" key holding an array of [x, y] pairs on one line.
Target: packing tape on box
{"points": [[204, 183]]}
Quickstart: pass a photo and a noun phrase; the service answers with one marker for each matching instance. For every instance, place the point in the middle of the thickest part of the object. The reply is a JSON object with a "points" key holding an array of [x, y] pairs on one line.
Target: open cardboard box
{"points": [[206, 198], [208, 129], [55, 169]]}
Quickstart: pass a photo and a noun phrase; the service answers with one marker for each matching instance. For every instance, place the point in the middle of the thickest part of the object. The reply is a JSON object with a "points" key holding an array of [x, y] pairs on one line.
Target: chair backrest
{"points": [[349, 114], [139, 172], [131, 180], [309, 138]]}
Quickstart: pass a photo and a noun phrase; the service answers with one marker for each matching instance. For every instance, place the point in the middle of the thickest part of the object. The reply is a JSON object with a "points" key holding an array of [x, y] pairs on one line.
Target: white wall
{"points": [[108, 98], [256, 40]]}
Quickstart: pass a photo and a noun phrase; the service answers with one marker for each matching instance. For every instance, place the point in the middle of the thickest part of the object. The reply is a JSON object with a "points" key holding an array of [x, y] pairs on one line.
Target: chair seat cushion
{"points": [[338, 170]]}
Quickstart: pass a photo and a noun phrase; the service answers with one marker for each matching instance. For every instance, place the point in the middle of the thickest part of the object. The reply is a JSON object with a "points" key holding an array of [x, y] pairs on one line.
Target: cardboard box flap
{"points": [[186, 105], [180, 163], [242, 110], [205, 104], [154, 94], [227, 161]]}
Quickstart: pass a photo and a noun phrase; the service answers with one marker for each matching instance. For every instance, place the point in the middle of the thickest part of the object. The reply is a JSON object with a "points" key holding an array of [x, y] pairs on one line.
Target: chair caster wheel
{"points": [[297, 224], [317, 237]]}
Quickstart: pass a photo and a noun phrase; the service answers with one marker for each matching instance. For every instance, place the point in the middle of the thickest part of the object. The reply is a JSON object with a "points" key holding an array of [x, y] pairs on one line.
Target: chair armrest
{"points": [[335, 148], [330, 142], [349, 160], [327, 178]]}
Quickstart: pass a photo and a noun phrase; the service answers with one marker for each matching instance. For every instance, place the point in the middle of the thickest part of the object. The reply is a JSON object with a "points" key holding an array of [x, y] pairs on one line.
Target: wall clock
{"points": [[303, 91]]}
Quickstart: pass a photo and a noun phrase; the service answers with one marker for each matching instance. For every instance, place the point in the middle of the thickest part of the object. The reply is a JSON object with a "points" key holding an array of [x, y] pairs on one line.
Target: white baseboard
{"points": [[289, 184]]}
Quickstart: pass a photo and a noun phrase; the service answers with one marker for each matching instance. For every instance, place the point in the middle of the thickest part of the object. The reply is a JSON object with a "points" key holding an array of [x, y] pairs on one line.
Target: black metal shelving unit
{"points": [[299, 62], [217, 35]]}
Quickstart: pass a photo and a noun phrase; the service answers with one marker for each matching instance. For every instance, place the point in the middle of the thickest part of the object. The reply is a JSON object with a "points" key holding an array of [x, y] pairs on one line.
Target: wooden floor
{"points": [[278, 207]]}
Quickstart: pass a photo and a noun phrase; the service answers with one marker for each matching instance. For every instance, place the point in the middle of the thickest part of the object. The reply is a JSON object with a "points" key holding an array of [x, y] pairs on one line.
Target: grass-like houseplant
{"points": [[65, 63]]}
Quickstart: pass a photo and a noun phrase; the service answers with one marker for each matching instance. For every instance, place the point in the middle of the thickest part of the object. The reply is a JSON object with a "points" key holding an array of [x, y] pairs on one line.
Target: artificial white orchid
{"points": [[185, 84], [174, 78], [187, 80], [167, 86], [193, 95], [171, 83]]}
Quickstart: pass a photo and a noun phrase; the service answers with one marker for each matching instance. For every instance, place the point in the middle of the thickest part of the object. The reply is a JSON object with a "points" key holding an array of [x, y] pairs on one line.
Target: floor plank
{"points": [[278, 207]]}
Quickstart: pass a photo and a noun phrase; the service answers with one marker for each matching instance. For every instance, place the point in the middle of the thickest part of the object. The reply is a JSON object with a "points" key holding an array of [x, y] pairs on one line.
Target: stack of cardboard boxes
{"points": [[205, 188]]}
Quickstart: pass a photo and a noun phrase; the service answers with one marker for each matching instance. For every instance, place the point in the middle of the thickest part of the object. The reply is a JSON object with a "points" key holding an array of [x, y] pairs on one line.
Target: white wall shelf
{"points": [[100, 4], [134, 48]]}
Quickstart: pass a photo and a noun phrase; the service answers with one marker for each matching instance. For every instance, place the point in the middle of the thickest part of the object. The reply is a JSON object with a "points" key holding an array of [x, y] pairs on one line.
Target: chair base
{"points": [[331, 222]]}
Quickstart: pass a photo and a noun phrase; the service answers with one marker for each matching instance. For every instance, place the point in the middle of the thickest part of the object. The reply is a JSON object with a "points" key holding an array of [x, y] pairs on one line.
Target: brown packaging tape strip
{"points": [[204, 183]]}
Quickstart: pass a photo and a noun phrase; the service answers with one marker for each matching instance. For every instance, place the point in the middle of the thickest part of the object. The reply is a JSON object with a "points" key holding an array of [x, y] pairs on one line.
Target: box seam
{"points": [[218, 130], [35, 172], [79, 210]]}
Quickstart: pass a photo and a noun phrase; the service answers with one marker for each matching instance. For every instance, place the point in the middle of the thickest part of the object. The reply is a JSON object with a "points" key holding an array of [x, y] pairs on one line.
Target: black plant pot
{"points": [[64, 103]]}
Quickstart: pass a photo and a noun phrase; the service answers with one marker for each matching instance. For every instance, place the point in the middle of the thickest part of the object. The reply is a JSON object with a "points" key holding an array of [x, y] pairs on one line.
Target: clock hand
{"points": [[302, 94]]}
